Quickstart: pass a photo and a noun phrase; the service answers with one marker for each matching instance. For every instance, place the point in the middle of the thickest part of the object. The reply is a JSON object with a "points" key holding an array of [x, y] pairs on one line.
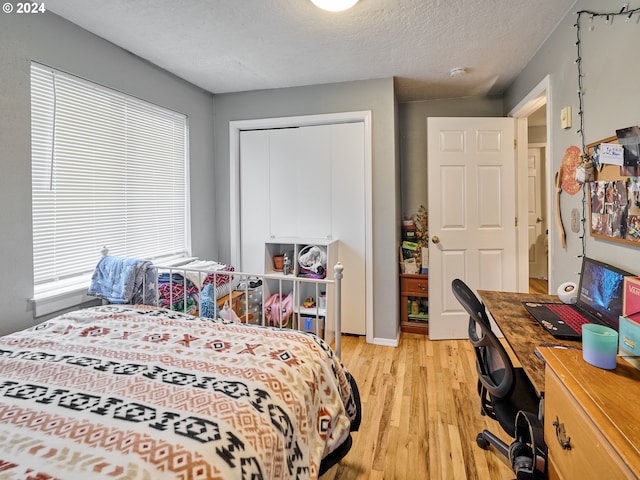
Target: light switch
{"points": [[565, 117]]}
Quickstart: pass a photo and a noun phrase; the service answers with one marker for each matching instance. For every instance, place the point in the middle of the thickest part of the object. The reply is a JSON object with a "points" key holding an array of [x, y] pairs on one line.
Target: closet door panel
{"points": [[299, 182], [254, 199], [284, 148], [313, 197], [348, 203]]}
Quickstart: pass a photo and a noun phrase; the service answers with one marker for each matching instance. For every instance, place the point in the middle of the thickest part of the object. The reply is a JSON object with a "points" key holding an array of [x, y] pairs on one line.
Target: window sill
{"points": [[61, 296]]}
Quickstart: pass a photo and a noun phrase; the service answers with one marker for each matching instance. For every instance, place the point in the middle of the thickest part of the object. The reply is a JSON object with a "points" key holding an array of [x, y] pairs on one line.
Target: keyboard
{"points": [[569, 316]]}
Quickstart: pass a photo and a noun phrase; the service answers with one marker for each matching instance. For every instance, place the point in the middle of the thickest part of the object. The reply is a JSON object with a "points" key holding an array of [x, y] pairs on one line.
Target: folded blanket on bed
{"points": [[200, 279], [180, 289], [122, 280], [208, 306]]}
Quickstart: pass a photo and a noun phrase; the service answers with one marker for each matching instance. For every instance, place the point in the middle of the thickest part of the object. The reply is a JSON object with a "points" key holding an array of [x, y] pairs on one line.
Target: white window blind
{"points": [[107, 170]]}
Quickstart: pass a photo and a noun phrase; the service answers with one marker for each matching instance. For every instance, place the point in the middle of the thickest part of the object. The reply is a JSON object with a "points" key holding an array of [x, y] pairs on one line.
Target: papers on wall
{"points": [[611, 153], [629, 138]]}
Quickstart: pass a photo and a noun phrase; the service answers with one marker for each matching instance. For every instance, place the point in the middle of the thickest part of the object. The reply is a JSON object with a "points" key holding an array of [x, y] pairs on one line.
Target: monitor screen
{"points": [[601, 288]]}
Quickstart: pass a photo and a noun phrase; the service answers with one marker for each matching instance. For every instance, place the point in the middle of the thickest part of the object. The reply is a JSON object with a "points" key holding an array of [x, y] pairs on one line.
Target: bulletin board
{"points": [[614, 201]]}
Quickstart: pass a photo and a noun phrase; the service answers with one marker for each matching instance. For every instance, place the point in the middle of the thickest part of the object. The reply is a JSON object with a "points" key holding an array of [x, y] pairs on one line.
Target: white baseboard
{"points": [[387, 342]]}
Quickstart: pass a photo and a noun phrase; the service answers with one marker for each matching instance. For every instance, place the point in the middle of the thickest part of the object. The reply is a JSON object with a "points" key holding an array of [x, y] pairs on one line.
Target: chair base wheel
{"points": [[482, 442]]}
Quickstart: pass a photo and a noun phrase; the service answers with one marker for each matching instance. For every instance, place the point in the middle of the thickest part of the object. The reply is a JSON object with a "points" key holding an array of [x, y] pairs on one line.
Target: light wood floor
{"points": [[421, 413], [538, 285]]}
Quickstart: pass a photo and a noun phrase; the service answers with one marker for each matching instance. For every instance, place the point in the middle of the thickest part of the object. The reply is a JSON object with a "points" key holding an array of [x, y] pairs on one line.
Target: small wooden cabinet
{"points": [[414, 303]]}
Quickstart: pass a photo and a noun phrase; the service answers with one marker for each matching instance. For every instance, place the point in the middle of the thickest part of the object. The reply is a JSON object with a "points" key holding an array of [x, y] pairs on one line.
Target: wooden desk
{"points": [[521, 331], [592, 411]]}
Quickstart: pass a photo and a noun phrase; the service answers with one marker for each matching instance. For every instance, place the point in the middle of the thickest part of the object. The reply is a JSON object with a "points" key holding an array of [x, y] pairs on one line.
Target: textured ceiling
{"points": [[238, 45]]}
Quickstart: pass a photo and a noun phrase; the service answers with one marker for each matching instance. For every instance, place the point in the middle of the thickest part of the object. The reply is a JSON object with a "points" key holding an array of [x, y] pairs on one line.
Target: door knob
{"points": [[435, 239], [539, 220]]}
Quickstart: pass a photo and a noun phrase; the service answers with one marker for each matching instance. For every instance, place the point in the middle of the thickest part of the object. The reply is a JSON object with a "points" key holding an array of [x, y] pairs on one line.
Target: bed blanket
{"points": [[141, 392], [124, 280], [200, 279]]}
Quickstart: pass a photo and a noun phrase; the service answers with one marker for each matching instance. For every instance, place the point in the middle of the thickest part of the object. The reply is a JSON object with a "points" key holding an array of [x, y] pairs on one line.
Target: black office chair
{"points": [[506, 393]]}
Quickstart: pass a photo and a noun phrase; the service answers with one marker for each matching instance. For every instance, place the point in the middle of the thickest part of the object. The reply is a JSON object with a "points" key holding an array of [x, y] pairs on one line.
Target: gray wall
{"points": [[50, 40], [610, 103], [375, 95], [609, 57], [537, 134], [413, 140]]}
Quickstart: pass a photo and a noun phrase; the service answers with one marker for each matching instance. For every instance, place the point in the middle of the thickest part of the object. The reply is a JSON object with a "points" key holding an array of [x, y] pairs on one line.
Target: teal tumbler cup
{"points": [[599, 345]]}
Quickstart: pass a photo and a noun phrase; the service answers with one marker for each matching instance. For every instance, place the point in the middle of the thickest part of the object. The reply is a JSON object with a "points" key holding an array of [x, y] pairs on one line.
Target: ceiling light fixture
{"points": [[334, 5], [457, 72]]}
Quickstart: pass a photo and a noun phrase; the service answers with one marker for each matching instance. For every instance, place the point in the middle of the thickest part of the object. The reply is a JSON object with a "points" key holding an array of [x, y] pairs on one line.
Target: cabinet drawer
{"points": [[415, 284], [590, 455]]}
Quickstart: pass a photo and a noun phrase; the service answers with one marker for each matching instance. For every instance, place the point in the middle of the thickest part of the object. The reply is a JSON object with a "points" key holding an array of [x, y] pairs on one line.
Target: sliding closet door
{"points": [[348, 219], [254, 199], [307, 182], [300, 179]]}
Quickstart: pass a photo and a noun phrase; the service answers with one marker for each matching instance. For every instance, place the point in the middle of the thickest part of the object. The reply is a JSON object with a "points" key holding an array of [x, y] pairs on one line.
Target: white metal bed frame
{"points": [[244, 278]]}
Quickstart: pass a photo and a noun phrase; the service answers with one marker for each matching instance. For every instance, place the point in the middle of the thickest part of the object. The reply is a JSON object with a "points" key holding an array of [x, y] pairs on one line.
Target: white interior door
{"points": [[536, 208], [472, 212]]}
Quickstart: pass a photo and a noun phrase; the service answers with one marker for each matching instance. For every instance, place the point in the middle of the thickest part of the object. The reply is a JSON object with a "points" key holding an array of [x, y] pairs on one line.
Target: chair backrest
{"points": [[495, 369]]}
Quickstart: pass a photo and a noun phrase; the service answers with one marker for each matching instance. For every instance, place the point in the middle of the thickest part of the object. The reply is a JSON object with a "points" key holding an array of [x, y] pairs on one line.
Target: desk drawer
{"points": [[415, 285], [590, 455]]}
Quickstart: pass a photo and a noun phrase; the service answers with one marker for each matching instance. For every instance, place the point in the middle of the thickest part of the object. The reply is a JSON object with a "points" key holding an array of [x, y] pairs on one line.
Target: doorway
{"points": [[537, 197], [534, 185]]}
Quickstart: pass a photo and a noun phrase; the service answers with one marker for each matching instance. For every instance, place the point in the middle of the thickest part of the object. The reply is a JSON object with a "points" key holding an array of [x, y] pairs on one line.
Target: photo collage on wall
{"points": [[615, 208]]}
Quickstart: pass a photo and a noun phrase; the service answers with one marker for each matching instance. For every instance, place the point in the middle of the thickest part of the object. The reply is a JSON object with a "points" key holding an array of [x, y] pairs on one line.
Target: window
{"points": [[107, 170]]}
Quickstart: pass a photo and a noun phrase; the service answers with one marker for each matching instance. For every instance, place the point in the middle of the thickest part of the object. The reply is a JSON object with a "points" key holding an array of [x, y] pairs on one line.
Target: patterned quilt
{"points": [[137, 392]]}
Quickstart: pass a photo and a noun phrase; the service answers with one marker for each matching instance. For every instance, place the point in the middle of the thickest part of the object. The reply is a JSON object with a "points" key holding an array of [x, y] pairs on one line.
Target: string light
{"points": [[609, 16]]}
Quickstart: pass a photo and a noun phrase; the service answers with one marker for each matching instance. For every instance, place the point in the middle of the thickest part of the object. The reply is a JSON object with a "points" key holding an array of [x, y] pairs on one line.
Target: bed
{"points": [[143, 392], [213, 289]]}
